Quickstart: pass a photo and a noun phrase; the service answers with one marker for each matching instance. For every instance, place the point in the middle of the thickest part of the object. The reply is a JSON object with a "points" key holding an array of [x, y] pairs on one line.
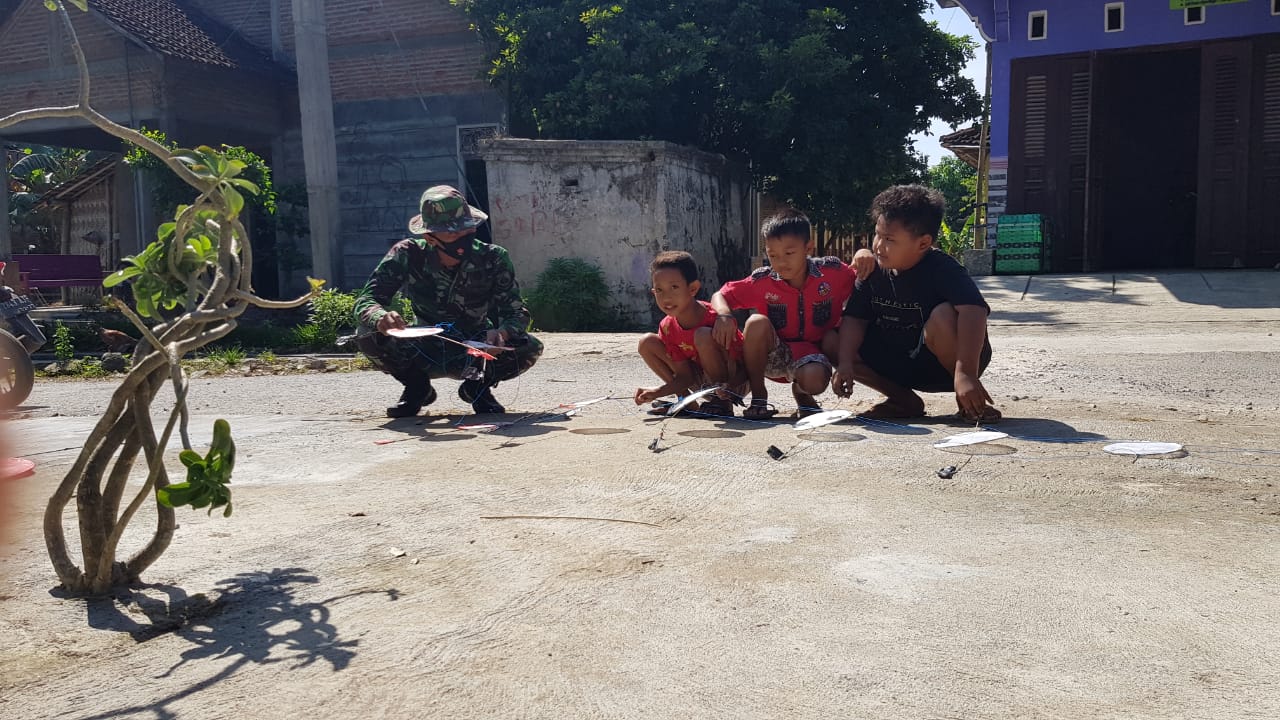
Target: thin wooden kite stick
{"points": [[565, 517]]}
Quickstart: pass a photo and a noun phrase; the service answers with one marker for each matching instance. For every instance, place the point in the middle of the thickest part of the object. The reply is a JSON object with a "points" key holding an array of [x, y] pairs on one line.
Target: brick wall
{"points": [[33, 76], [377, 48], [407, 74]]}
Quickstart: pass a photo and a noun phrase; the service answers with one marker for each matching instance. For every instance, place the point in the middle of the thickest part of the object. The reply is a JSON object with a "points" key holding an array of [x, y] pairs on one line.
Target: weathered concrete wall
{"points": [[617, 204]]}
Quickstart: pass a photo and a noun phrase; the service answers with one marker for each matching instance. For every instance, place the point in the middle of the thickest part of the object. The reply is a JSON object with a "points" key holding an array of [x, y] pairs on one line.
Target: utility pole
{"points": [[319, 143], [6, 240]]}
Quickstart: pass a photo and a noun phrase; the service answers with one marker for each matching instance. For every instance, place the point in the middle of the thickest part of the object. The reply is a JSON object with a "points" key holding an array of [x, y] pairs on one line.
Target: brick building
{"points": [[407, 96]]}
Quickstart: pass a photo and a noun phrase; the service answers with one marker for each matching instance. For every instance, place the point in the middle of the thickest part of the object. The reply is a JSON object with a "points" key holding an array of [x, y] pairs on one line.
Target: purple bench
{"points": [[60, 271]]}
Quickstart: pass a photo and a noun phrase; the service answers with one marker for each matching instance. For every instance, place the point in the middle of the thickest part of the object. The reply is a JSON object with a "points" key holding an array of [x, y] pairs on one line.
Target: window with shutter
{"points": [[1037, 116]]}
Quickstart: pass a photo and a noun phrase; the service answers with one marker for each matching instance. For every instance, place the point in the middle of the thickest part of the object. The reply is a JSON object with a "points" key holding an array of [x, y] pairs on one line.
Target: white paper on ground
{"points": [[1142, 448], [414, 332], [818, 420], [970, 438], [688, 399]]}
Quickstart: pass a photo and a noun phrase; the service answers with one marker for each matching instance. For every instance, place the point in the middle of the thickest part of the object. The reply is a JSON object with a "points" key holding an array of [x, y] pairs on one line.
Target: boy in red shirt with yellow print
{"points": [[683, 353], [797, 301]]}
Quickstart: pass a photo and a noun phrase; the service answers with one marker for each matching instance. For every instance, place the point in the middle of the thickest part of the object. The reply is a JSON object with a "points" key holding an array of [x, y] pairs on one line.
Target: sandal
{"points": [[717, 407], [759, 409]]}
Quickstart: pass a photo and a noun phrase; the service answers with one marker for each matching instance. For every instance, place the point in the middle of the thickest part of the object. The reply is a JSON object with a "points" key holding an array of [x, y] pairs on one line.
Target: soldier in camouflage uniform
{"points": [[453, 280]]}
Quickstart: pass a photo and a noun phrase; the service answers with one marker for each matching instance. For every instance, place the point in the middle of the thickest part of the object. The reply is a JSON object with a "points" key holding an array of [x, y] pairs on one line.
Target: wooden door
{"points": [[1223, 199], [1049, 148], [1263, 248]]}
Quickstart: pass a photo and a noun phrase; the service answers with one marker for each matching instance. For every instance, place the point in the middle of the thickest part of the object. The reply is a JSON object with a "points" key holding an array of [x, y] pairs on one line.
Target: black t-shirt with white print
{"points": [[896, 304]]}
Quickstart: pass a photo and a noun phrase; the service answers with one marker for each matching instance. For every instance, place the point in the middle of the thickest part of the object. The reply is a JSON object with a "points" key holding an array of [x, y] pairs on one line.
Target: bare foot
{"points": [[806, 404], [896, 409]]}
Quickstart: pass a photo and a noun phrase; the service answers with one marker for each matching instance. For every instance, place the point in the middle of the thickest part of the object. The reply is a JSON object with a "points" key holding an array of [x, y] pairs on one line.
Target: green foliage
{"points": [[228, 356], [333, 310], [207, 477], [275, 222], [958, 183], [821, 98], [313, 337], [571, 295], [955, 242], [267, 357], [177, 268], [33, 171], [63, 346]]}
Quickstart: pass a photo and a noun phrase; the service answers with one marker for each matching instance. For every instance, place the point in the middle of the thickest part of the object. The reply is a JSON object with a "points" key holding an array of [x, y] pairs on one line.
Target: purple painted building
{"points": [[1147, 132]]}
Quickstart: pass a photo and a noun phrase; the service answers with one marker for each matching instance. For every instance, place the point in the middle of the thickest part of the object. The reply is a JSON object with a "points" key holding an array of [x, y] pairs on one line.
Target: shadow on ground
{"points": [[253, 618]]}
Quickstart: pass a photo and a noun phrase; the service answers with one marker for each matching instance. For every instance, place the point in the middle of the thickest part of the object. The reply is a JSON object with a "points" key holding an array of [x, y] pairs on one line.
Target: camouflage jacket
{"points": [[479, 294]]}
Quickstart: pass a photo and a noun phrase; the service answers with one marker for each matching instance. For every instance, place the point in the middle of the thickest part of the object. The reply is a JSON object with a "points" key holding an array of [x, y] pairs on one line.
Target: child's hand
{"points": [[864, 262], [725, 331], [646, 395], [842, 381], [971, 396]]}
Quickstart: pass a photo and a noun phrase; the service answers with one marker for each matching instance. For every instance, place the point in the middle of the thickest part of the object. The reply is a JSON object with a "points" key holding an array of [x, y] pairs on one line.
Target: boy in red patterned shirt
{"points": [[683, 353], [797, 302]]}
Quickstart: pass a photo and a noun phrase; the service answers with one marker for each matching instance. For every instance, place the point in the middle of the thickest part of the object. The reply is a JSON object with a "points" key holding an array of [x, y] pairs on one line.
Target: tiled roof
{"points": [[171, 28], [964, 143]]}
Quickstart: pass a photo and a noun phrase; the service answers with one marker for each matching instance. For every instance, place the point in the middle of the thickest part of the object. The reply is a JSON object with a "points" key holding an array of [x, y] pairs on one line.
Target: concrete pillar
{"points": [[6, 239], [319, 143]]}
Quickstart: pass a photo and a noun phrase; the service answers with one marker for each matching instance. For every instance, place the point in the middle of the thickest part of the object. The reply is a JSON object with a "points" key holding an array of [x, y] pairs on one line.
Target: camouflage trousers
{"points": [[410, 360]]}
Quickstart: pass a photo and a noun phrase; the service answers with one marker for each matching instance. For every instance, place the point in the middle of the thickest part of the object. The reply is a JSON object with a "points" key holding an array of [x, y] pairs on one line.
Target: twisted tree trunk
{"points": [[98, 480]]}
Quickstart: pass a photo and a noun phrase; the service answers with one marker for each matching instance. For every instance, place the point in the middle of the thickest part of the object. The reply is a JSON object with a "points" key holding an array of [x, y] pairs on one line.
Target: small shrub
{"points": [[267, 357], [228, 357], [333, 310], [955, 242], [64, 347], [313, 337], [571, 294]]}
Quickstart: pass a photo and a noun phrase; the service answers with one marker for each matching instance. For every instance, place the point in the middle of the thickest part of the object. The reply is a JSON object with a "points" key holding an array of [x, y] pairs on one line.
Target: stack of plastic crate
{"points": [[1020, 244]]}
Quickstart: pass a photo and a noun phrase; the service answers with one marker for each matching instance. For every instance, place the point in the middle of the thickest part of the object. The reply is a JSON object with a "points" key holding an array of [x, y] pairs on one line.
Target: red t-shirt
{"points": [[679, 340], [797, 315]]}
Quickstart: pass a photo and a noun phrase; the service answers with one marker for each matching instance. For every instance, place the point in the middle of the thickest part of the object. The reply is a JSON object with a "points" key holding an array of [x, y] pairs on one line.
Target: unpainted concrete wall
{"points": [[616, 204]]}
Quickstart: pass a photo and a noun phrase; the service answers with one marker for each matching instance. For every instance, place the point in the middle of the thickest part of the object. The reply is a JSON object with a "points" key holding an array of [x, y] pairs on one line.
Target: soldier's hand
{"points": [[390, 321], [496, 337]]}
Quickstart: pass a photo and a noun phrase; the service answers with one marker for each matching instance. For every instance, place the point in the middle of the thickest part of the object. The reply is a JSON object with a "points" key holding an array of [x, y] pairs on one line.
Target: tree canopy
{"points": [[819, 97], [958, 183]]}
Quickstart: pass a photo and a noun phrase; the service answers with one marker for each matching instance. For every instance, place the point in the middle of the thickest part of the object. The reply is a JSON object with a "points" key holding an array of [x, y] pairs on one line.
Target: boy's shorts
{"points": [[788, 357], [923, 372]]}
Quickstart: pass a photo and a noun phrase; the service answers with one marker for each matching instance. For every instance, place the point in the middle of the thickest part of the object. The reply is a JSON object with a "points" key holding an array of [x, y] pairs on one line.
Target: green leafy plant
{"points": [[64, 348], [333, 311], [207, 477], [267, 357], [228, 356], [313, 337], [571, 294]]}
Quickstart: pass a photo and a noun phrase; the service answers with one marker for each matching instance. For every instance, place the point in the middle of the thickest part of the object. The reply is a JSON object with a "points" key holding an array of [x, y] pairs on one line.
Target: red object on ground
{"points": [[14, 468]]}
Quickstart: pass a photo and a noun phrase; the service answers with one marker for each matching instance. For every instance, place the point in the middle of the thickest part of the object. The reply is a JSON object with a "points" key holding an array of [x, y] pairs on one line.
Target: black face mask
{"points": [[458, 249]]}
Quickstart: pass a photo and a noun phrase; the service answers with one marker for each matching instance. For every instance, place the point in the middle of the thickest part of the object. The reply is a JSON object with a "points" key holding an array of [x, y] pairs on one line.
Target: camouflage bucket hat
{"points": [[444, 209]]}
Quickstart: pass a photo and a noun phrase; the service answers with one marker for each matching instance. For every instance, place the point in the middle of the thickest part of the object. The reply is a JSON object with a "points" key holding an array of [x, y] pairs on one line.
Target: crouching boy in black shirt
{"points": [[918, 322]]}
